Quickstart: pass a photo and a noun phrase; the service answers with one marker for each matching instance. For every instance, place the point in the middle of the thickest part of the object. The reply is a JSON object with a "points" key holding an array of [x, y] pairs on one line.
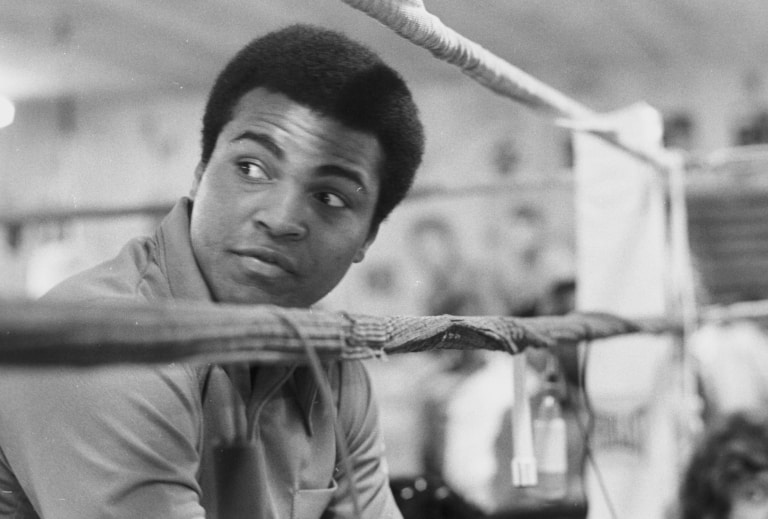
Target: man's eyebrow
{"points": [[329, 170], [262, 138], [351, 175]]}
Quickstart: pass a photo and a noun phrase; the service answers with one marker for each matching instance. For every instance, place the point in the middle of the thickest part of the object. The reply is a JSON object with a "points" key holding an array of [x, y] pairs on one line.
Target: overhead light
{"points": [[7, 112]]}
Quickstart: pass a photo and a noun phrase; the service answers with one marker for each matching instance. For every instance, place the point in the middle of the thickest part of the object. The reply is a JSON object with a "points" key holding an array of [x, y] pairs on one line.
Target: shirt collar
{"points": [[176, 257]]}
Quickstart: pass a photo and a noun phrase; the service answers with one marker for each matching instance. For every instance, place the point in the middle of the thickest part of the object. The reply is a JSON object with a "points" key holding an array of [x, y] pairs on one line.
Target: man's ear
{"points": [[360, 254], [196, 181]]}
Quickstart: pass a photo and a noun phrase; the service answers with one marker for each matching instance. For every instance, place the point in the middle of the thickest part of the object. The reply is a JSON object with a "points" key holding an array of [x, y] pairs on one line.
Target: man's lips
{"points": [[269, 256]]}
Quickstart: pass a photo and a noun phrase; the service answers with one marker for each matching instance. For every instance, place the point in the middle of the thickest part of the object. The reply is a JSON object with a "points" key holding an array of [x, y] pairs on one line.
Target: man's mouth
{"points": [[267, 261]]}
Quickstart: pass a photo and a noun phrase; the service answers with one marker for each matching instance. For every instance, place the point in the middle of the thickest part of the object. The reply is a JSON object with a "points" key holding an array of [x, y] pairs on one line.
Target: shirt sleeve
{"points": [[359, 419], [101, 442]]}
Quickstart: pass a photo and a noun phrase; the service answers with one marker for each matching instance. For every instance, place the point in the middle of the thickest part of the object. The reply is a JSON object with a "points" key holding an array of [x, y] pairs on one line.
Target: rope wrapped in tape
{"points": [[44, 333], [411, 20]]}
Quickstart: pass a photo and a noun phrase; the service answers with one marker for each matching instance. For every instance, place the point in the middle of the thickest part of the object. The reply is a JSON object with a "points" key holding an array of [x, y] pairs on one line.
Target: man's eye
{"points": [[253, 170], [331, 199]]}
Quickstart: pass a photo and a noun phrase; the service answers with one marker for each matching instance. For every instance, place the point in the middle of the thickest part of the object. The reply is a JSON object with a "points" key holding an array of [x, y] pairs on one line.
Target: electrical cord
{"points": [[326, 393], [587, 429]]}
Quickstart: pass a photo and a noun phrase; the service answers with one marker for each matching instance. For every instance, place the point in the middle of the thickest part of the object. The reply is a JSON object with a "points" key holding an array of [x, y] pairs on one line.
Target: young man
{"points": [[308, 142]]}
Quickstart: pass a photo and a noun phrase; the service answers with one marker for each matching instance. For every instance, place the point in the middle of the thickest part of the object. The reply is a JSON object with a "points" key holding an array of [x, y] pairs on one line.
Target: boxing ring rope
{"points": [[50, 333], [411, 20]]}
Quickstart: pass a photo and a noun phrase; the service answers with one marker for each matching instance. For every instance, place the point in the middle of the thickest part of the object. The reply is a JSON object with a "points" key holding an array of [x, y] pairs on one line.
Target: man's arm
{"points": [[359, 418], [105, 442]]}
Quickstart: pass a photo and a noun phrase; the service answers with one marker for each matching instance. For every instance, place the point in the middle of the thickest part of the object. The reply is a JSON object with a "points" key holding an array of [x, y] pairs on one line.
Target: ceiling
{"points": [[53, 48]]}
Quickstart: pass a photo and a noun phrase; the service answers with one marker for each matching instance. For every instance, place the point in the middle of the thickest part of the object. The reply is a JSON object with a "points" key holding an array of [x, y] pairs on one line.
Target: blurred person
{"points": [[731, 360], [558, 299], [526, 261], [452, 284], [308, 142], [727, 474]]}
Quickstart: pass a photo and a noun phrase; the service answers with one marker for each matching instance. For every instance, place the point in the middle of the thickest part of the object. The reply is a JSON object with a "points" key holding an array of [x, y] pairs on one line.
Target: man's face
{"points": [[749, 499], [284, 205]]}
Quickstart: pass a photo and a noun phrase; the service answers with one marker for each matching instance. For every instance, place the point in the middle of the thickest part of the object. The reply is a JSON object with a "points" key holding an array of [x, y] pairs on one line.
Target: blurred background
{"points": [[102, 101]]}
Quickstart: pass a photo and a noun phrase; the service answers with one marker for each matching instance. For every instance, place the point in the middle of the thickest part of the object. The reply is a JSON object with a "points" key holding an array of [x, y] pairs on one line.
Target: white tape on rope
{"points": [[411, 20]]}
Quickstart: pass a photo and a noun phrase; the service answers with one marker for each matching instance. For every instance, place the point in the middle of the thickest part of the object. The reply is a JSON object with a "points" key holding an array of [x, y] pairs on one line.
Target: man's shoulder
{"points": [[121, 277]]}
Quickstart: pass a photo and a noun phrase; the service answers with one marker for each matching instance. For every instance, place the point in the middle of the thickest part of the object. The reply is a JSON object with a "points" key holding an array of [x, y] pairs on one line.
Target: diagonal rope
{"points": [[411, 20]]}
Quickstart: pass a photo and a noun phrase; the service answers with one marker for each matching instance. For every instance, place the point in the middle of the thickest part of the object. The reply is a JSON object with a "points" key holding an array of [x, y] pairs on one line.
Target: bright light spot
{"points": [[7, 112]]}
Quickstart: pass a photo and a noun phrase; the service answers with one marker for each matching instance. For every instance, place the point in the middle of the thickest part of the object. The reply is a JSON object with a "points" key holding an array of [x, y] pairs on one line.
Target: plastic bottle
{"points": [[551, 449]]}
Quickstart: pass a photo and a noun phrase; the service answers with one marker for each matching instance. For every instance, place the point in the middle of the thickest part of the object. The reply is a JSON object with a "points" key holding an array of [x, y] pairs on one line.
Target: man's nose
{"points": [[282, 213]]}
